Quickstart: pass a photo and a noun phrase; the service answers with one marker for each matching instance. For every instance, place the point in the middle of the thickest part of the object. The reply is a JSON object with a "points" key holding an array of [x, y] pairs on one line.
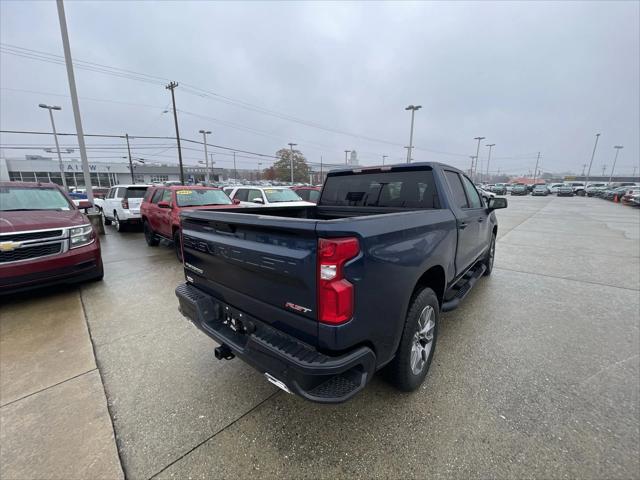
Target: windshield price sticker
{"points": [[184, 192]]}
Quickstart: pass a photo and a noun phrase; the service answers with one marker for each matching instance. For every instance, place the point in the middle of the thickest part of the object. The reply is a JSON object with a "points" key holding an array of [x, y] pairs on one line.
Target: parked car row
{"points": [[627, 193]]}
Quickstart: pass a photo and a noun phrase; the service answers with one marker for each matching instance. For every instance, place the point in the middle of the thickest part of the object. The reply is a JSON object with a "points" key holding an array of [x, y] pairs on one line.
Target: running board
{"points": [[462, 292]]}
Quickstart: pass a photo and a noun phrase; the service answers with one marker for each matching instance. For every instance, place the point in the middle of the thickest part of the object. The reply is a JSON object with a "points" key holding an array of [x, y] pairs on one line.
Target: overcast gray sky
{"points": [[528, 76]]}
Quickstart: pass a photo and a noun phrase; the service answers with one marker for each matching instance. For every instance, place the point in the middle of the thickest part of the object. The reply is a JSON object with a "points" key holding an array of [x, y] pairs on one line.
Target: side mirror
{"points": [[497, 203], [236, 201], [84, 205], [164, 205], [257, 200]]}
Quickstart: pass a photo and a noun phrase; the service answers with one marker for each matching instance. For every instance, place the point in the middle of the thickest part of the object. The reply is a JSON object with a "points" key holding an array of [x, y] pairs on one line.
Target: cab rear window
{"points": [[406, 189]]}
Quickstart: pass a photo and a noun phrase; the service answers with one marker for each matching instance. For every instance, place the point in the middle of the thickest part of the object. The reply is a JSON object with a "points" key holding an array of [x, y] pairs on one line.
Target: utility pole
{"points": [[259, 170], [55, 137], [634, 171], [291, 145], [235, 170], [618, 148], [479, 139], [172, 87], [346, 153], [133, 180], [472, 157], [584, 167], [413, 109], [491, 145], [383, 158], [535, 172], [591, 162], [211, 162], [74, 98], [604, 168], [321, 180], [206, 157]]}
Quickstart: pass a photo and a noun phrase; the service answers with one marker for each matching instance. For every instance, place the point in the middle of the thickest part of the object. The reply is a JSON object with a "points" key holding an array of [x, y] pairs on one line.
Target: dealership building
{"points": [[34, 168]]}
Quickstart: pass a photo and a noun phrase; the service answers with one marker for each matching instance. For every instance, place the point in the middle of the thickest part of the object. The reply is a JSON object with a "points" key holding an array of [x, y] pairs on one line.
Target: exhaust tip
{"points": [[278, 383]]}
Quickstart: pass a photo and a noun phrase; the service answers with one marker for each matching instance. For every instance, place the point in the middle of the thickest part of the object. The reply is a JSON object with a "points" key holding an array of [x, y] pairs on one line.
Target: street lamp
{"points": [[206, 157], [413, 109], [383, 158], [491, 145], [291, 145], [618, 148], [593, 154], [55, 137], [477, 154], [346, 152]]}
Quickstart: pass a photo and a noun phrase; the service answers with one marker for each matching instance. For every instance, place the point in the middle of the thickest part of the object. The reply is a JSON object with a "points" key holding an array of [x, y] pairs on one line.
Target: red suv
{"points": [[162, 204], [44, 238]]}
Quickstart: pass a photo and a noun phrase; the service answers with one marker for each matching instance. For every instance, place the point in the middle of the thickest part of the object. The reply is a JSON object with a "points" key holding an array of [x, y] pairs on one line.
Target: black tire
{"points": [[149, 236], [104, 217], [177, 245], [401, 372], [490, 257]]}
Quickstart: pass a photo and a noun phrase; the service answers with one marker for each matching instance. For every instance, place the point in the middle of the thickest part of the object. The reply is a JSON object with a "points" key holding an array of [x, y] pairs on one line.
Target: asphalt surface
{"points": [[536, 375]]}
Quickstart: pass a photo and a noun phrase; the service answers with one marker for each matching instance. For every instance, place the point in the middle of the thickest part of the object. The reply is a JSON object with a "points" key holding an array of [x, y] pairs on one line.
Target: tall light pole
{"points": [[133, 179], [413, 109], [473, 159], [615, 159], [346, 153], [172, 86], [491, 145], [593, 154], [291, 145], [55, 137], [479, 139], [235, 170], [259, 170], [206, 157], [535, 173], [211, 162], [383, 158], [74, 98]]}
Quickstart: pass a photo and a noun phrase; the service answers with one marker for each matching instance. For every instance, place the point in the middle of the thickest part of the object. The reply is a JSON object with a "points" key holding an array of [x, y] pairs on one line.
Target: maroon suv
{"points": [[44, 238]]}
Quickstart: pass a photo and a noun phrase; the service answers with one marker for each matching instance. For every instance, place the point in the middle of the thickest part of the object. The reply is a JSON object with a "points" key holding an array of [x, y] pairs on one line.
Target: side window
{"points": [[148, 195], [241, 194], [112, 193], [157, 195], [253, 194], [314, 195], [304, 194], [121, 192], [166, 196], [457, 190], [472, 194]]}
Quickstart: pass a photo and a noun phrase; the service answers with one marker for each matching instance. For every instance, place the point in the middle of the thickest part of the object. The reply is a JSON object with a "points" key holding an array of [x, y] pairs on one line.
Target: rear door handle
{"points": [[462, 225], [480, 219]]}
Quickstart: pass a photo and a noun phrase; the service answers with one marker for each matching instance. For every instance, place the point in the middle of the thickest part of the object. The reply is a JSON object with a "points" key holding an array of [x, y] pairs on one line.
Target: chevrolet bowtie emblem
{"points": [[9, 246]]}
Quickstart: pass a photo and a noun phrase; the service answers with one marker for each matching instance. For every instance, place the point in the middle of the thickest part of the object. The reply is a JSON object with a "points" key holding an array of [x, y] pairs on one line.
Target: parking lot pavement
{"points": [[535, 375], [54, 421]]}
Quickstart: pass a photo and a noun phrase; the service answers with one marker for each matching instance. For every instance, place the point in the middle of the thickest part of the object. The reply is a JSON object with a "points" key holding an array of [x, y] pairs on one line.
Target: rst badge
{"points": [[297, 308]]}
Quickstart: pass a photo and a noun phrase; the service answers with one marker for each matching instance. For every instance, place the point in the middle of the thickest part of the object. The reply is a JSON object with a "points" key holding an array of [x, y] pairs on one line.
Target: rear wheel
{"points": [[177, 245], [104, 217], [149, 236], [491, 253], [117, 223], [409, 368]]}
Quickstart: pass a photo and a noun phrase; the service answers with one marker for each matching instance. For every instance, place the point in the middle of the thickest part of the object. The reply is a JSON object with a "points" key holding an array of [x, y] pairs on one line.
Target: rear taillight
{"points": [[125, 204], [335, 293]]}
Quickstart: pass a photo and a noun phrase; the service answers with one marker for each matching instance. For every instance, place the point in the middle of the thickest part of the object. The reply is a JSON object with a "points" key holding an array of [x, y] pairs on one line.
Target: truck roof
{"points": [[393, 167]]}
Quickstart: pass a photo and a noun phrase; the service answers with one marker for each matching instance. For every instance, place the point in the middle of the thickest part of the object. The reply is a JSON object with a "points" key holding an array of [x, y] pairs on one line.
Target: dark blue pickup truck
{"points": [[321, 297]]}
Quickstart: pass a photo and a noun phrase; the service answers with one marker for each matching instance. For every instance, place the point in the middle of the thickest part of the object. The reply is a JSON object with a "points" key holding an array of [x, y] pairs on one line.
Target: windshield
{"points": [[540, 187], [26, 198], [281, 195], [196, 197]]}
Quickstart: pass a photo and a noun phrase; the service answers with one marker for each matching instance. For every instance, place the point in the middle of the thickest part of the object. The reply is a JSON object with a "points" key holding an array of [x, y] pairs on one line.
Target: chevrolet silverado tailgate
{"points": [[263, 260]]}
